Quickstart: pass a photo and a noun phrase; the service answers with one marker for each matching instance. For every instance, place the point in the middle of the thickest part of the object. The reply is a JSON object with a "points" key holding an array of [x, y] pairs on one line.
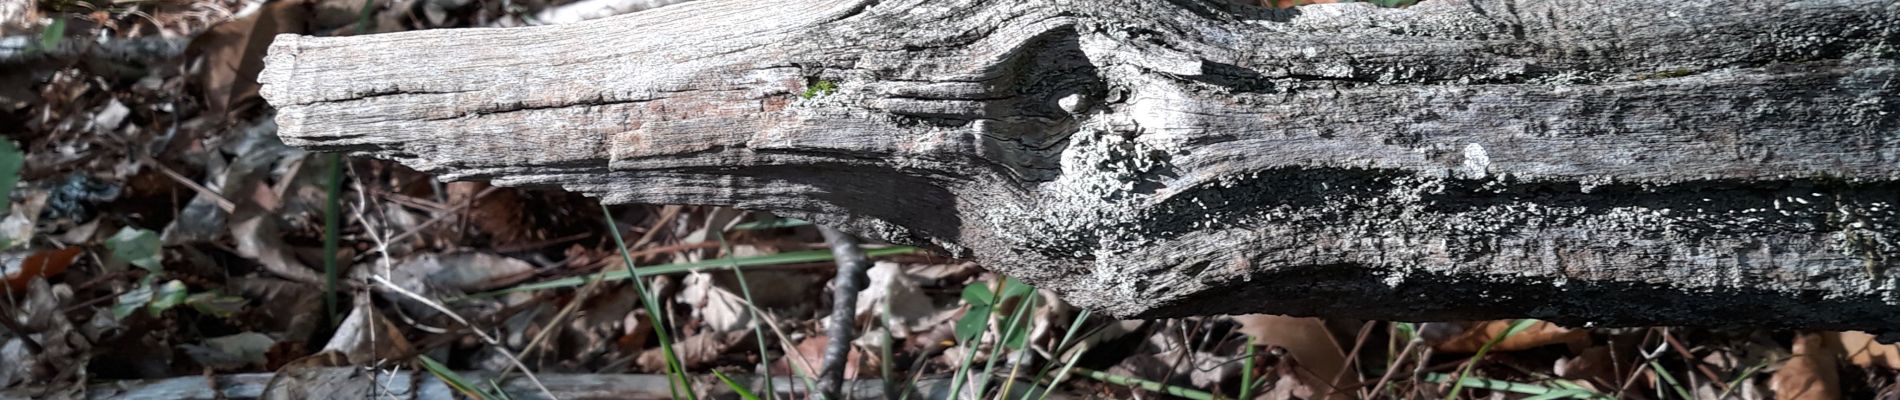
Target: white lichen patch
{"points": [[1477, 163]]}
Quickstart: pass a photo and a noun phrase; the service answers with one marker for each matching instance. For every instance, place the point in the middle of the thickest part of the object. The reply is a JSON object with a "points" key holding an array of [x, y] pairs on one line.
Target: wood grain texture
{"points": [[1695, 162]]}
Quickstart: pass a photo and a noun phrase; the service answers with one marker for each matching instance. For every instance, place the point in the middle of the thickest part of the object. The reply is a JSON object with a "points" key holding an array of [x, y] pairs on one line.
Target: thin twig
{"points": [[223, 203], [851, 278], [1394, 368], [490, 340], [6, 318], [586, 292], [1352, 358]]}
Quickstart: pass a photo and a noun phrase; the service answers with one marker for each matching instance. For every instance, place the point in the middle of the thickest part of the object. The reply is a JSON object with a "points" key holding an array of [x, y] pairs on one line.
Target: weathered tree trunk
{"points": [[1584, 161]]}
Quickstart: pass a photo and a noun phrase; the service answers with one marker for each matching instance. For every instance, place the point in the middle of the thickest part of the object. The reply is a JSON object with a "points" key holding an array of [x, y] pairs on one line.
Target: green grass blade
{"points": [[1063, 374], [1669, 379], [675, 369], [1246, 370], [1459, 385], [741, 390], [454, 380], [963, 367], [1001, 349], [1489, 384], [1147, 385], [796, 257], [758, 329], [1063, 345]]}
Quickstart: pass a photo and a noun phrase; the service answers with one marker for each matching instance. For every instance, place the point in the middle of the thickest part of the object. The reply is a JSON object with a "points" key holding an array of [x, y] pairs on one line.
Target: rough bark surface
{"points": [[1696, 162]]}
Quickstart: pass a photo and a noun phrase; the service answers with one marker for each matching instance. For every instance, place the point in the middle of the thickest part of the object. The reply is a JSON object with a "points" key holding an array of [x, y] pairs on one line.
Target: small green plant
{"points": [[674, 369], [758, 320], [50, 38], [983, 302], [819, 88]]}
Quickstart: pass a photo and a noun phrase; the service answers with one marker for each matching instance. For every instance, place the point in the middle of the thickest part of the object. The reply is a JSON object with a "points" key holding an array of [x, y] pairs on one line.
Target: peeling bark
{"points": [[1621, 162]]}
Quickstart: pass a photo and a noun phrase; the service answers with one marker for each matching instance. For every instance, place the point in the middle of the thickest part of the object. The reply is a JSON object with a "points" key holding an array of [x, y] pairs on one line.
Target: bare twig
{"points": [[851, 278], [6, 319], [223, 203], [382, 279], [586, 292], [1394, 368]]}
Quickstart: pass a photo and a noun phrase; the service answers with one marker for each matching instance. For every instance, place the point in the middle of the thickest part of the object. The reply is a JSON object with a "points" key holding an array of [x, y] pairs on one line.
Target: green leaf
{"points": [[50, 37], [133, 300], [972, 322], [978, 294], [136, 246], [11, 159], [1014, 288], [1017, 337], [213, 303], [170, 295]]}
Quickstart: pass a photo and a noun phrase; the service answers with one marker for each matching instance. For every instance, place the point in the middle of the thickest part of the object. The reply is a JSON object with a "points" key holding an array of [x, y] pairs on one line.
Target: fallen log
{"points": [[1617, 162]]}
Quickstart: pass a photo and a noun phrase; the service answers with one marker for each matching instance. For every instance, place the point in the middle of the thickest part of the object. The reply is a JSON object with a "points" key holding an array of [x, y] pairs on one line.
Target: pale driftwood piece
{"points": [[1622, 162]]}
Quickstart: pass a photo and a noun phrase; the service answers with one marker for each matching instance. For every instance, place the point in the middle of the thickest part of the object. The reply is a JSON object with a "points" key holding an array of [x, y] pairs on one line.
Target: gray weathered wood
{"points": [[1617, 162]]}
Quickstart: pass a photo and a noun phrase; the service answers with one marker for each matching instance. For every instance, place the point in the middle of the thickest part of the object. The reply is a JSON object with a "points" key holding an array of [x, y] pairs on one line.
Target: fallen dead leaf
{"points": [[1595, 362], [721, 309], [694, 352], [257, 239], [1318, 356], [231, 352], [896, 299], [18, 272], [812, 352], [1862, 350], [1539, 334], [461, 272], [1810, 374], [365, 337], [234, 53]]}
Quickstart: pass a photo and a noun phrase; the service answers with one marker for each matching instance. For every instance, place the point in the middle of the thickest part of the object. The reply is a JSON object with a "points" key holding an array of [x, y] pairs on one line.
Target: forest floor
{"points": [[158, 236]]}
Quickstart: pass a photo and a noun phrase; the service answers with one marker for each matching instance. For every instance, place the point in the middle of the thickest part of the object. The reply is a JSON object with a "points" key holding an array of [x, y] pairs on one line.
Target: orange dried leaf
{"points": [[1862, 350], [1810, 374], [1539, 334], [44, 263]]}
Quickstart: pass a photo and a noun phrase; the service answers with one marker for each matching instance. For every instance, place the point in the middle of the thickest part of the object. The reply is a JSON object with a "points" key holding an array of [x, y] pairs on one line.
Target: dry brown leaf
{"points": [[1539, 334], [1308, 341], [812, 352], [231, 352], [365, 337], [234, 53], [720, 308], [1596, 362], [1810, 374], [894, 299], [694, 352], [1862, 350]]}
